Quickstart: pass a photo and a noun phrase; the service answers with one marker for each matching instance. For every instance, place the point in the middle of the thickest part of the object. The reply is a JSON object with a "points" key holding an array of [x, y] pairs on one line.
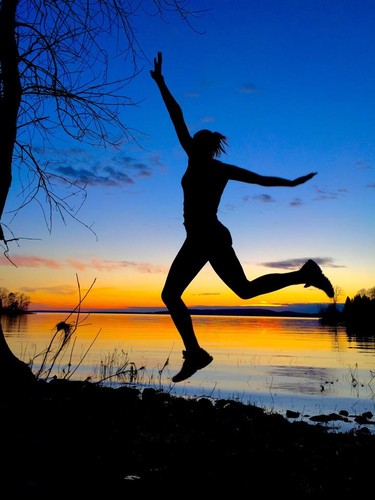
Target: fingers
{"points": [[156, 72], [158, 62]]}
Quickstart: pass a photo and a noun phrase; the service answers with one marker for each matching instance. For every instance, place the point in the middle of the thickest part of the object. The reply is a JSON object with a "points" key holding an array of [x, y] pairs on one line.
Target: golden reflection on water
{"points": [[257, 355]]}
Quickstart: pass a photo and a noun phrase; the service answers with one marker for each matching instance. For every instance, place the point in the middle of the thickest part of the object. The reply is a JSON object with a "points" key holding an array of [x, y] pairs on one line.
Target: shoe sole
{"points": [[321, 282], [180, 378]]}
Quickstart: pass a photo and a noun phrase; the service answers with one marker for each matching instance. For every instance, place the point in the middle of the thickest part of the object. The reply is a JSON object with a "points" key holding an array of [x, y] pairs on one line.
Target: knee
{"points": [[245, 293], [167, 296], [164, 296]]}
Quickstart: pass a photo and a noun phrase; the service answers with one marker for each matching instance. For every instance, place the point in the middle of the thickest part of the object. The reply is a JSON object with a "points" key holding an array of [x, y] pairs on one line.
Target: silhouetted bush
{"points": [[13, 302], [358, 314], [359, 311]]}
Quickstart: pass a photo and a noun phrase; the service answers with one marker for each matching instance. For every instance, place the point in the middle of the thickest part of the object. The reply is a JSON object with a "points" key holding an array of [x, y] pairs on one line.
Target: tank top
{"points": [[203, 184]]}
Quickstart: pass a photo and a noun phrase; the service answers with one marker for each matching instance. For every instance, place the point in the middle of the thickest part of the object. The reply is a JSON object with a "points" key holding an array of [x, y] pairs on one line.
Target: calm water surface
{"points": [[275, 363]]}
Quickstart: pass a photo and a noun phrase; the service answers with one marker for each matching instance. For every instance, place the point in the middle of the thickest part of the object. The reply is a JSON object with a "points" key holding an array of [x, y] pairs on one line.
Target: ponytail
{"points": [[219, 143], [207, 142]]}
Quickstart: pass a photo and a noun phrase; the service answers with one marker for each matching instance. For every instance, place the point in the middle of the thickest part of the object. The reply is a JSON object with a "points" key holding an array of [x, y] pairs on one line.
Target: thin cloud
{"points": [[51, 290], [207, 82], [296, 202], [155, 160], [297, 263], [107, 265], [102, 265], [110, 176], [363, 165], [77, 264], [263, 198], [247, 89], [117, 171], [193, 95], [230, 207], [207, 119], [31, 261], [323, 195], [83, 167], [141, 169]]}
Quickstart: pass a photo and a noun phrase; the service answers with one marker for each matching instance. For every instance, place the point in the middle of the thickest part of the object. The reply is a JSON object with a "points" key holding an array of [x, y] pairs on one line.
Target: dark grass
{"points": [[65, 438]]}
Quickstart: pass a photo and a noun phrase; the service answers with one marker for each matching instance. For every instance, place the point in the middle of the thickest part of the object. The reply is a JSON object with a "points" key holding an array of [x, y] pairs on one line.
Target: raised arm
{"points": [[243, 175], [174, 109]]}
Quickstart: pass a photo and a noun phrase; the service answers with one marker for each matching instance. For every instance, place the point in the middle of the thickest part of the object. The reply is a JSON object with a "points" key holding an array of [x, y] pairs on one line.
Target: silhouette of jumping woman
{"points": [[207, 239]]}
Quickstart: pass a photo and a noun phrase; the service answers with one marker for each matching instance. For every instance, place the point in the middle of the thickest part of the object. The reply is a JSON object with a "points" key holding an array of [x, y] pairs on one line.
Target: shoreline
{"points": [[193, 311], [75, 436]]}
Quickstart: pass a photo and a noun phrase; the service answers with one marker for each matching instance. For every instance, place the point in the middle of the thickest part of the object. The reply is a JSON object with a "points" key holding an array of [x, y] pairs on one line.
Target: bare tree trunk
{"points": [[14, 374], [10, 97], [16, 378]]}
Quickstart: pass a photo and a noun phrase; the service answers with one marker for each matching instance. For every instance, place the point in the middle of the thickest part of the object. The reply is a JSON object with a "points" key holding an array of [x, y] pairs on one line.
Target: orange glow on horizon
{"points": [[115, 298]]}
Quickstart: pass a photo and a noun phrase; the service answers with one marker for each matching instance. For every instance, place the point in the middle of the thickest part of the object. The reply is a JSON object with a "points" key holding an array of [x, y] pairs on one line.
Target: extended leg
{"points": [[183, 270], [185, 267]]}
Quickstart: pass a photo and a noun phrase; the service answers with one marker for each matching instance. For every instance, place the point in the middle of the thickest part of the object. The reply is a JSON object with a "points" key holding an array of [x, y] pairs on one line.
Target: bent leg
{"points": [[229, 269], [184, 268]]}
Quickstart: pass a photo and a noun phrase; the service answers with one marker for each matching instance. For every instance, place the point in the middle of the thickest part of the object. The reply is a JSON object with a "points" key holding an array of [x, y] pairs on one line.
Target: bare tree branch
{"points": [[54, 76]]}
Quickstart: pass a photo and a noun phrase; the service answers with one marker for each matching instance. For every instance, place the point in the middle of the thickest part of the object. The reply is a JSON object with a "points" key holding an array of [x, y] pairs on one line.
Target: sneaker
{"points": [[315, 277], [193, 362]]}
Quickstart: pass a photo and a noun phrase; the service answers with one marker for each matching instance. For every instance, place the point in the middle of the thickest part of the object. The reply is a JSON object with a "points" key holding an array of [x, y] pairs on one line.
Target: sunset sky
{"points": [[291, 84]]}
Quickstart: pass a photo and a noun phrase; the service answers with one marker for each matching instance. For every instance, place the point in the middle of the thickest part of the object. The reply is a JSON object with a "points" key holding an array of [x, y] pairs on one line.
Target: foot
{"points": [[193, 362], [315, 277]]}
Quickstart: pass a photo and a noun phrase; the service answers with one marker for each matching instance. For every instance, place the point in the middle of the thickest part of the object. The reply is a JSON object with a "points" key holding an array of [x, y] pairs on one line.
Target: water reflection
{"points": [[303, 379], [14, 323], [260, 359]]}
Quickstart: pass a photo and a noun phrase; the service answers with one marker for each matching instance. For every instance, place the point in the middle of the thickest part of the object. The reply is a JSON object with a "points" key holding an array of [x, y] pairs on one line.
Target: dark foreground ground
{"points": [[65, 439]]}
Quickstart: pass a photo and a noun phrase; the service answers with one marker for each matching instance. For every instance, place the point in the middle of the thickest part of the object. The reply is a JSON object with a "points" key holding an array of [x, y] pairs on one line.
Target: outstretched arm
{"points": [[243, 175], [174, 109]]}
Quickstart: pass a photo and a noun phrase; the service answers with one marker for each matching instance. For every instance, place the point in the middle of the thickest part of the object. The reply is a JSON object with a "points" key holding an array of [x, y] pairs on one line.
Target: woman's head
{"points": [[209, 143]]}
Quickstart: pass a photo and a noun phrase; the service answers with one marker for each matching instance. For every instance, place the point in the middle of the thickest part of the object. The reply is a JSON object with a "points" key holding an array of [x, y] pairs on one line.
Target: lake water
{"points": [[276, 363]]}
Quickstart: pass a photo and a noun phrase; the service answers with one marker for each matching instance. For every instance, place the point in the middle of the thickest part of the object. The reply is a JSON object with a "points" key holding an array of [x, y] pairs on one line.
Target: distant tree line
{"points": [[13, 302], [358, 311]]}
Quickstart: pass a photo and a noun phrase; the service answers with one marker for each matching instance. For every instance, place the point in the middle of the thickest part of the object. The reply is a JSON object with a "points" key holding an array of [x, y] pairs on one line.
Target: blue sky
{"points": [[291, 84]]}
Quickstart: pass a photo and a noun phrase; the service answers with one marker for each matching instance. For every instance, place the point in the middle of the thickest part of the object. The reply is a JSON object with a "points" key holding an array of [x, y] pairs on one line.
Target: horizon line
{"points": [[295, 307]]}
